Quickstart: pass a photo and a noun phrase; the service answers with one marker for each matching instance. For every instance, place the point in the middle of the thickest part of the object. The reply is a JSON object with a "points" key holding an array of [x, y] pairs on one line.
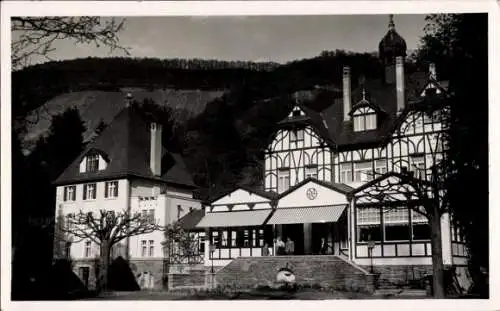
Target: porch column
{"points": [[307, 238]]}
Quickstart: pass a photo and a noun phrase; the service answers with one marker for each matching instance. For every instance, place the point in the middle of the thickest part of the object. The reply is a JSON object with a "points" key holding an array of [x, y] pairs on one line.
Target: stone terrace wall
{"points": [[331, 271]]}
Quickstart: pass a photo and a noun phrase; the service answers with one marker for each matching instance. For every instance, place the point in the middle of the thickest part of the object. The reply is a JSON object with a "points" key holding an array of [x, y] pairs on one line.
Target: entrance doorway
{"points": [[296, 233], [84, 275]]}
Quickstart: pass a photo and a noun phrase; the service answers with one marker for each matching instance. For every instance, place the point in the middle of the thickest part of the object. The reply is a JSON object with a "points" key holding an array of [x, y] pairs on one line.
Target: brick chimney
{"points": [[400, 83], [156, 149], [347, 92]]}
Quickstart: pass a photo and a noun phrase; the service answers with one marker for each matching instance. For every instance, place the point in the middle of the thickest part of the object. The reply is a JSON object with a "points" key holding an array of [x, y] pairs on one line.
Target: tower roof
{"points": [[392, 44]]}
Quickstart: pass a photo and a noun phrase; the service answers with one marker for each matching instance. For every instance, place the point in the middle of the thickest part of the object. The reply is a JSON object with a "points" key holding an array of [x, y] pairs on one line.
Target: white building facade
{"points": [[125, 170]]}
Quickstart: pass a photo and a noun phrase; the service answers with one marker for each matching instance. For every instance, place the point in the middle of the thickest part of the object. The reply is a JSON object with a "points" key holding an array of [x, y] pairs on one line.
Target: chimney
{"points": [[400, 83], [432, 71], [156, 149], [347, 92]]}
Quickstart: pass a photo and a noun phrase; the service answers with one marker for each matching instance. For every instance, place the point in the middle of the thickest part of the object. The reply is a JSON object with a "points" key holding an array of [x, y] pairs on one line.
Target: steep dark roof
{"points": [[126, 144], [191, 219], [329, 122]]}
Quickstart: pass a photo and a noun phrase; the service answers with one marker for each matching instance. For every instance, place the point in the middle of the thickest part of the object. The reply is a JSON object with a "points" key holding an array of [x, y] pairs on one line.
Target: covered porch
{"points": [[313, 215]]}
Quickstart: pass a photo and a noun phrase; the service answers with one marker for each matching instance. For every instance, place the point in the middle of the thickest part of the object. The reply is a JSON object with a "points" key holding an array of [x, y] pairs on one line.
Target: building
{"points": [[126, 168], [318, 159]]}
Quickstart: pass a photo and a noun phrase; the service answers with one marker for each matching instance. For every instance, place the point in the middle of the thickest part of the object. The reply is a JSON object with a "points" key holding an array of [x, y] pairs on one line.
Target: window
{"points": [[346, 173], [151, 216], [283, 180], [151, 248], [224, 238], [363, 171], [111, 189], [246, 238], [201, 245], [88, 249], [70, 193], [215, 239], [143, 248], [420, 226], [92, 163], [381, 166], [369, 233], [368, 225], [370, 122], [296, 135], [417, 166], [312, 172], [359, 123], [67, 250], [364, 119], [234, 238], [396, 224], [89, 191]]}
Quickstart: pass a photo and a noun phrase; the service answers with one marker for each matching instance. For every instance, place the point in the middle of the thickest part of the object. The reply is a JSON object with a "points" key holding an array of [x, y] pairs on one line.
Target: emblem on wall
{"points": [[311, 193]]}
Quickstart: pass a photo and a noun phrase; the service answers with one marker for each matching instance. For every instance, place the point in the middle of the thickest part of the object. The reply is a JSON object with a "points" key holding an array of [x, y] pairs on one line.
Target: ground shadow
{"points": [[121, 277], [56, 283]]}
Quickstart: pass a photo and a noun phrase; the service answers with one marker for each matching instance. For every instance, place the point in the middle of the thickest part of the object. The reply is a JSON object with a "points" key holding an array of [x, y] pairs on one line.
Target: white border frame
{"points": [[153, 8]]}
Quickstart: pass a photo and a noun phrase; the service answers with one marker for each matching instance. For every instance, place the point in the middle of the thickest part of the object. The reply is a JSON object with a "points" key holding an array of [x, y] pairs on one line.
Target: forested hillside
{"points": [[223, 112]]}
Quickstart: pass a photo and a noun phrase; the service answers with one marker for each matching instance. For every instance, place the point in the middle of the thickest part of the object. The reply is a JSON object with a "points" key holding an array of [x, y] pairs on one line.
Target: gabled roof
{"points": [[313, 118], [126, 143], [271, 195], [342, 188]]}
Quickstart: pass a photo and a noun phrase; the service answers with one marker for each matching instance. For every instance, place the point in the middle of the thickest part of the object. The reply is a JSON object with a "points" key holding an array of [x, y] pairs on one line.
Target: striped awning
{"points": [[234, 219], [301, 215]]}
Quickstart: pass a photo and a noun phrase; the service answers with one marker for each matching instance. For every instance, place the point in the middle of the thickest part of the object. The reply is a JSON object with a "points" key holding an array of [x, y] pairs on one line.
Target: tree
{"points": [[107, 229], [458, 45], [181, 246], [426, 194], [36, 35]]}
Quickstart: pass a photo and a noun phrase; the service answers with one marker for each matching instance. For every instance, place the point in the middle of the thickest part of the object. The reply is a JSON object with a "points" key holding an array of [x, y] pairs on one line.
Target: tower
{"points": [[390, 47]]}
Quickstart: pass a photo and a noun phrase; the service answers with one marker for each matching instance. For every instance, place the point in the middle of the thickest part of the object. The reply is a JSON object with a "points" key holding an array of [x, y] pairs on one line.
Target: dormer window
{"points": [[364, 119], [296, 135], [92, 163]]}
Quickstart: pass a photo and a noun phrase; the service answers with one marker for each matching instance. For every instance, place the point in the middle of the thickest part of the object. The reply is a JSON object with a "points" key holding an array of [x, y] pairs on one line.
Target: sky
{"points": [[249, 38]]}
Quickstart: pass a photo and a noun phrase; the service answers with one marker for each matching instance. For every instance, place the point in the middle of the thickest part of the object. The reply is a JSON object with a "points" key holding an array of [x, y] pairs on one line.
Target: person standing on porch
{"points": [[280, 246], [290, 246], [324, 247], [265, 250]]}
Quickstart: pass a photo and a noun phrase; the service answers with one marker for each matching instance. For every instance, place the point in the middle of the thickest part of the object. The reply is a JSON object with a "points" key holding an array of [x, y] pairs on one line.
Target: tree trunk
{"points": [[103, 275], [437, 255]]}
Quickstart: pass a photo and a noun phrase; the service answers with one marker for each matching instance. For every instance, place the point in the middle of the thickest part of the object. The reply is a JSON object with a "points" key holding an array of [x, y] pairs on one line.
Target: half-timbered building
{"points": [[317, 158]]}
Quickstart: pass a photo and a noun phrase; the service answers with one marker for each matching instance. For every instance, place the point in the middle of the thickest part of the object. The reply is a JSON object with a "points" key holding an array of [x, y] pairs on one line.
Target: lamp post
{"points": [[212, 250]]}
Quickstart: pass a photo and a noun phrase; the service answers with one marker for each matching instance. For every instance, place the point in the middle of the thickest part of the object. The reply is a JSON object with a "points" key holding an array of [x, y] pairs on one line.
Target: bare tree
{"points": [[107, 229], [36, 35], [424, 194]]}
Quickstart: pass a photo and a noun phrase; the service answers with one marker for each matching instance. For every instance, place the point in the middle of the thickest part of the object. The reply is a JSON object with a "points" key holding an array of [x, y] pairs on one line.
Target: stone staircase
{"points": [[325, 270]]}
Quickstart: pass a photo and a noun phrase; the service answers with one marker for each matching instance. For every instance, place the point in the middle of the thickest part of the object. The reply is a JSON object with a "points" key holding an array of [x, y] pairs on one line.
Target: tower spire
{"points": [[391, 22], [364, 94]]}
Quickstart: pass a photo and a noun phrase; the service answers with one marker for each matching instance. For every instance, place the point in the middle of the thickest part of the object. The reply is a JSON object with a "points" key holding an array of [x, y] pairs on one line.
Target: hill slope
{"points": [[97, 106]]}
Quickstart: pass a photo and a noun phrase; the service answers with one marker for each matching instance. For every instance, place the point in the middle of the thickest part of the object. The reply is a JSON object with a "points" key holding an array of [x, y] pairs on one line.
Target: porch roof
{"points": [[234, 219], [301, 215]]}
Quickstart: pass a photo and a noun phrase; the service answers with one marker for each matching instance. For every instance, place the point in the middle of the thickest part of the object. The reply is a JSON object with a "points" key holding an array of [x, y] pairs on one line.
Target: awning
{"points": [[301, 215], [234, 219]]}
